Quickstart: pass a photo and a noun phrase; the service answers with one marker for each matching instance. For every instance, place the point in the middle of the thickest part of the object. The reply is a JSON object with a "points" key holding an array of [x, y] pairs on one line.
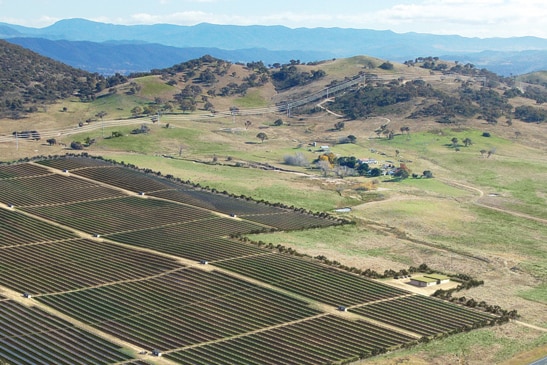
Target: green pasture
{"points": [[501, 233], [461, 347], [346, 240], [152, 86], [252, 99], [538, 294]]}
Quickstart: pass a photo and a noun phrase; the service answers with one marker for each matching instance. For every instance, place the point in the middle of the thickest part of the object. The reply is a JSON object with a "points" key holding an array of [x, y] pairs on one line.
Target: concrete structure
{"points": [[441, 279], [422, 281], [429, 280]]}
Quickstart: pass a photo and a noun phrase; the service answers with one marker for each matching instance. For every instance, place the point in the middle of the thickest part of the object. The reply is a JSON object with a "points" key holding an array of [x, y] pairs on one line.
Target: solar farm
{"points": [[105, 264]]}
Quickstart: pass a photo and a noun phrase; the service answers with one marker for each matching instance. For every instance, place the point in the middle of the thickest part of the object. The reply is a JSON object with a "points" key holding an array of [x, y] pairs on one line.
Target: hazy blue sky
{"points": [[471, 18]]}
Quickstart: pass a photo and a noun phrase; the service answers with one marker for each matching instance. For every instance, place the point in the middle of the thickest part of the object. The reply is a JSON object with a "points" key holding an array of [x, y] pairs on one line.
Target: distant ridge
{"points": [[122, 57], [253, 43]]}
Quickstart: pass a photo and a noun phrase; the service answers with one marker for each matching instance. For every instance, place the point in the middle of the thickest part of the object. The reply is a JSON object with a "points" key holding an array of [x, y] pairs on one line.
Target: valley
{"points": [[482, 213]]}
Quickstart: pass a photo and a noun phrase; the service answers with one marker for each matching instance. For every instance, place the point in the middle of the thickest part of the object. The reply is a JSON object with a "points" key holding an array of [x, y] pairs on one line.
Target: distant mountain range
{"points": [[109, 48]]}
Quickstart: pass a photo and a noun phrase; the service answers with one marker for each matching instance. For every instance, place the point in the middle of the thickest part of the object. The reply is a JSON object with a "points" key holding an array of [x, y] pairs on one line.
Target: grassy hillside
{"points": [[482, 214]]}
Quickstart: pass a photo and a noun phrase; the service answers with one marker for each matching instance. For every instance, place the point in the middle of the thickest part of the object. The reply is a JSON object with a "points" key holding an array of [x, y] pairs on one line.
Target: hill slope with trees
{"points": [[29, 80]]}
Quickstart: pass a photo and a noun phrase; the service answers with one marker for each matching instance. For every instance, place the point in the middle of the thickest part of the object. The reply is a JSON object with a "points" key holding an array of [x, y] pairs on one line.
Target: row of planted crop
{"points": [[191, 294], [52, 189], [32, 336], [136, 263], [242, 310], [315, 281], [221, 203], [411, 323], [195, 230], [124, 178], [187, 240], [68, 265], [288, 221], [181, 326], [16, 228], [119, 215], [423, 315], [21, 170], [314, 341], [198, 248]]}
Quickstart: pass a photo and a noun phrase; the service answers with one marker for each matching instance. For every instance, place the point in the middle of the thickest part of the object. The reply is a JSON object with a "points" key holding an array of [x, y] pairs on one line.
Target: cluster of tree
{"points": [[367, 101], [530, 114], [143, 129], [386, 66], [490, 104], [218, 67], [343, 166], [29, 79], [288, 76], [536, 93]]}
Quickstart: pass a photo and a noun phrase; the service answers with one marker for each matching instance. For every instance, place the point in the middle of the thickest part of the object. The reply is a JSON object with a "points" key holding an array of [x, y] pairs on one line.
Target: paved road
{"points": [[540, 362]]}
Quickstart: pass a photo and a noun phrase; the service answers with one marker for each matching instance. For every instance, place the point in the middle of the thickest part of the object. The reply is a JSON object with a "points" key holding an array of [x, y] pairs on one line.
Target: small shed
{"points": [[422, 281], [156, 353], [342, 308], [203, 262], [429, 280], [96, 235], [27, 295], [142, 193]]}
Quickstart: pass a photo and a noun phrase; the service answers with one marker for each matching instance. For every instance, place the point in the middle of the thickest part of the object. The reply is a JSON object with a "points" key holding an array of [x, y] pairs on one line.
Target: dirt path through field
{"points": [[476, 201], [542, 329]]}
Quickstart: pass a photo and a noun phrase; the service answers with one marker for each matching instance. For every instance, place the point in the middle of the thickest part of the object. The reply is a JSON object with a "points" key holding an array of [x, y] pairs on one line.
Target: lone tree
{"points": [[467, 142], [278, 122], [101, 114], [75, 145], [262, 136], [248, 124], [339, 126], [454, 141]]}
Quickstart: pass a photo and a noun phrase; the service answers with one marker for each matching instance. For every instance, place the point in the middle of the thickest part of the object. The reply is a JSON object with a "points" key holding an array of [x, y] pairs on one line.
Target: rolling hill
{"points": [[482, 214]]}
